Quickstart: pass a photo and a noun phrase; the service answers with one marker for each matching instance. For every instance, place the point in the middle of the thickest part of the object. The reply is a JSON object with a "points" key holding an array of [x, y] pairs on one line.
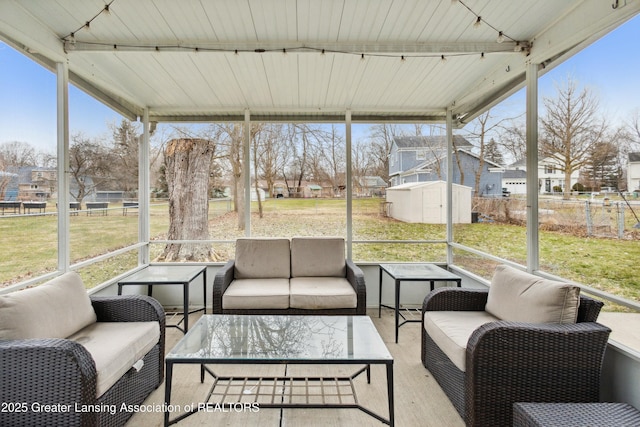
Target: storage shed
{"points": [[426, 202]]}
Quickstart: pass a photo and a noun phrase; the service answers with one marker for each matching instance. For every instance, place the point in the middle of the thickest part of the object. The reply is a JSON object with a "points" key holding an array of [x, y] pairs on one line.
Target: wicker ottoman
{"points": [[575, 414]]}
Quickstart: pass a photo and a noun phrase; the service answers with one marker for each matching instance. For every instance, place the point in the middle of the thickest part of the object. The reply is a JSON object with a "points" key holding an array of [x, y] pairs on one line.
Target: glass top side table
{"points": [[412, 273], [170, 275]]}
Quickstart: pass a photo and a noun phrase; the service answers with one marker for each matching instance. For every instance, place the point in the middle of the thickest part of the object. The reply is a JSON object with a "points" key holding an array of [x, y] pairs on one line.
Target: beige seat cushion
{"points": [[451, 331], [55, 309], [116, 346], [522, 297], [318, 257], [316, 293], [245, 294], [262, 259]]}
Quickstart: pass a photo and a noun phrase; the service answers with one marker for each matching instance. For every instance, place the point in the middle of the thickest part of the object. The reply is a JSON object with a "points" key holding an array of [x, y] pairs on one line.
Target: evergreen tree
{"points": [[492, 153]]}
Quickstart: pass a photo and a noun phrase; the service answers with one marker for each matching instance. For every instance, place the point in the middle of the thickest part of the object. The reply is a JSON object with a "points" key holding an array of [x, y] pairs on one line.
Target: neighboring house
{"points": [[514, 181], [31, 183], [280, 190], [423, 158], [6, 193], [41, 185], [34, 183], [306, 190], [370, 186], [550, 175], [514, 177], [633, 172]]}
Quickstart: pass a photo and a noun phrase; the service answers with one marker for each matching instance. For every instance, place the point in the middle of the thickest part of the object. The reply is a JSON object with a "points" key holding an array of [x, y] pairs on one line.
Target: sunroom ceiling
{"points": [[304, 60]]}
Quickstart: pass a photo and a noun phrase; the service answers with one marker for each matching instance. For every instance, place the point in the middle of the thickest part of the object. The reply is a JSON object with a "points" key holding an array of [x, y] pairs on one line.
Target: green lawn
{"points": [[30, 247]]}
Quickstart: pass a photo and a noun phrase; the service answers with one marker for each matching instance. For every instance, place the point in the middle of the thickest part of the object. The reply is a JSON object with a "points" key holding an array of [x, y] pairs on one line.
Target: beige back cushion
{"points": [[56, 309], [318, 257], [262, 259], [522, 297]]}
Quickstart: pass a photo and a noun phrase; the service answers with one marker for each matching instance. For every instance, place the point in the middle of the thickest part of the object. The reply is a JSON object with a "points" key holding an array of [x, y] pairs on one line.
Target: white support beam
{"points": [[246, 164], [450, 153], [62, 108], [349, 184], [144, 168], [533, 244]]}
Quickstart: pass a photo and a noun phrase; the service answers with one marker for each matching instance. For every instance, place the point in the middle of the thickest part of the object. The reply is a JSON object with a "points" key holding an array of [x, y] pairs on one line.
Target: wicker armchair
{"points": [[508, 362], [61, 373]]}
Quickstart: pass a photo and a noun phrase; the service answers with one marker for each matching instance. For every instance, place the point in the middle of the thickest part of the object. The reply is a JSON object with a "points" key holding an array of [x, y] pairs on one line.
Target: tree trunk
{"points": [[188, 162], [240, 200], [567, 185]]}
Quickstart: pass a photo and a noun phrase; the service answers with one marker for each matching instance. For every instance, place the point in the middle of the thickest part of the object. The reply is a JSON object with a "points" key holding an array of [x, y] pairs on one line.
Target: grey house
{"points": [[423, 158], [370, 186]]}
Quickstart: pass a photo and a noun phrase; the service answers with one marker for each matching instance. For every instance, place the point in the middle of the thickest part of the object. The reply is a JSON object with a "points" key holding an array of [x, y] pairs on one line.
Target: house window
{"points": [[548, 169], [421, 155]]}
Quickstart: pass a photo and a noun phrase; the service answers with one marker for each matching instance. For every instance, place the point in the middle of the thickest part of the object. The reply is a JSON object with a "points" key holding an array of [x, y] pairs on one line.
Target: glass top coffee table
{"points": [[300, 340]]}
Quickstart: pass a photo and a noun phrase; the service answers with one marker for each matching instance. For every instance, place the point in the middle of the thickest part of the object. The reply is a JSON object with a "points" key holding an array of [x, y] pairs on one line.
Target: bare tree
{"points": [[257, 143], [14, 155], [633, 130], [17, 154], [272, 155], [481, 130], [381, 137], [89, 166], [233, 137], [513, 140], [299, 142], [360, 164], [46, 159], [333, 150], [125, 155], [571, 128]]}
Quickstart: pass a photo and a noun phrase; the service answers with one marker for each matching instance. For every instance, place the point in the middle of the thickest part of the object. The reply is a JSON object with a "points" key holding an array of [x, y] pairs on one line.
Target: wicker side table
{"points": [[575, 414]]}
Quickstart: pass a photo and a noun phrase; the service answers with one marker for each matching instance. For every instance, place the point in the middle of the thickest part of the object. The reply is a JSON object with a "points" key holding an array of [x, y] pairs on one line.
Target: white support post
{"points": [[533, 244], [247, 173], [349, 185], [62, 89], [450, 148], [144, 199]]}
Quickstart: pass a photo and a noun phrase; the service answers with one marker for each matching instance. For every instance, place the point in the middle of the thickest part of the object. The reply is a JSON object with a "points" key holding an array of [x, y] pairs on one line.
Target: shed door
{"points": [[432, 208]]}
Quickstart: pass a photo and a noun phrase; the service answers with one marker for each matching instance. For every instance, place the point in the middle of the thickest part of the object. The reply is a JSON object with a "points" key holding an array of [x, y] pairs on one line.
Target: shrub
{"points": [[557, 189]]}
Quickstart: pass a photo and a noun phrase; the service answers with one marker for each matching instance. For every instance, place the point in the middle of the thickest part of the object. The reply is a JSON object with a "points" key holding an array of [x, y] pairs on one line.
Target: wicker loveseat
{"points": [[70, 360], [304, 275], [544, 345]]}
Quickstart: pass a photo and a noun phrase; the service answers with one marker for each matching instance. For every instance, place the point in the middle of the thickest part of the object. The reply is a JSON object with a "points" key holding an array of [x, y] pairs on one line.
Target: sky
{"points": [[610, 68]]}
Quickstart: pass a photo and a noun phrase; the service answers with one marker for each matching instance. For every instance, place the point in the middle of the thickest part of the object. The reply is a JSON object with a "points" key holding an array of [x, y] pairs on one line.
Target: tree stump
{"points": [[188, 162]]}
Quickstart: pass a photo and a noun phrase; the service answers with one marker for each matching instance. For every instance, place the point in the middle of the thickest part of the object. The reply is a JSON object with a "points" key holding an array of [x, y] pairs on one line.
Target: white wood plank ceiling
{"points": [[179, 59]]}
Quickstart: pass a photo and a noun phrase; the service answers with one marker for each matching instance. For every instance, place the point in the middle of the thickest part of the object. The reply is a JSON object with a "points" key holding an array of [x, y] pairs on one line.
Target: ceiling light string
{"points": [[502, 36], [87, 25], [520, 46], [403, 57]]}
